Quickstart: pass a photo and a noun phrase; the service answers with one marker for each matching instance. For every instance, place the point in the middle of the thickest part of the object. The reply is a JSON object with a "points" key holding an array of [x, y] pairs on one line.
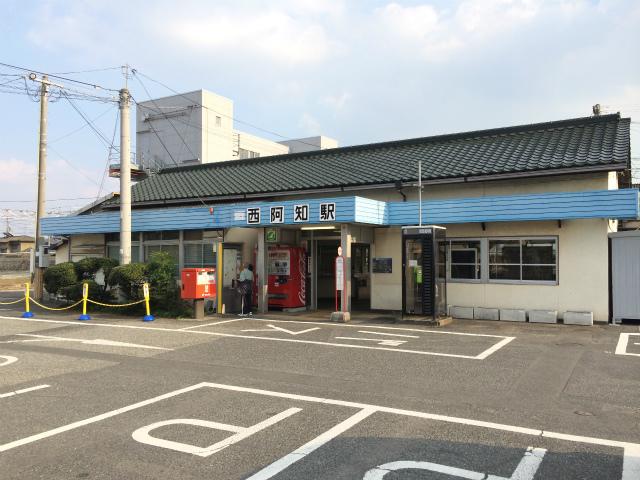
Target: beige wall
{"points": [[582, 269], [386, 288], [86, 245], [248, 237], [62, 253]]}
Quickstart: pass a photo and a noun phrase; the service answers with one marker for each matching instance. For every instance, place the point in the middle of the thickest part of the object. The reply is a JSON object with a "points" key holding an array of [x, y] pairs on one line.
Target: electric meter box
{"points": [[198, 283]]}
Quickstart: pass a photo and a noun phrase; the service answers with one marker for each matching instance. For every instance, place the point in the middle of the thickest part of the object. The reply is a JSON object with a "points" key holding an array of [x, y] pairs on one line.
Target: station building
{"points": [[526, 212]]}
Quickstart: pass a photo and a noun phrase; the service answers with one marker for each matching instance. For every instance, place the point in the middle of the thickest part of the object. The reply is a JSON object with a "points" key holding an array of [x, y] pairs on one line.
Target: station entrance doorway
{"points": [[323, 253]]}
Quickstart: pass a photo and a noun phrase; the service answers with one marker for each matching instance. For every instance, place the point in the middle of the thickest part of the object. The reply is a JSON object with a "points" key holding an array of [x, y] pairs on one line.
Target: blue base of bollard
{"points": [[27, 315], [148, 318], [84, 317]]}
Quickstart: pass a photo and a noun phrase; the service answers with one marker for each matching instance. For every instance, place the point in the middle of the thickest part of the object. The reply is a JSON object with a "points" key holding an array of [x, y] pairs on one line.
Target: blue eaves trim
{"points": [[610, 204]]}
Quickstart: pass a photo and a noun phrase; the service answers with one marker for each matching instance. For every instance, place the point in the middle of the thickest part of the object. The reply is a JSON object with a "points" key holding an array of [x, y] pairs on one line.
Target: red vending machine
{"points": [[287, 267]]}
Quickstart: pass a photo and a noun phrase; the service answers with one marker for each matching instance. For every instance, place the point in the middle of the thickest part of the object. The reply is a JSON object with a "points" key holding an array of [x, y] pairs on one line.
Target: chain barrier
{"points": [[84, 300], [115, 305], [56, 309], [12, 303]]}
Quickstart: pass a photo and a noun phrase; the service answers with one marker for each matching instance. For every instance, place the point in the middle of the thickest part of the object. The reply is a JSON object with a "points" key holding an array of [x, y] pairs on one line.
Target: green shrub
{"points": [[88, 267], [57, 277], [164, 290], [130, 279], [73, 293]]}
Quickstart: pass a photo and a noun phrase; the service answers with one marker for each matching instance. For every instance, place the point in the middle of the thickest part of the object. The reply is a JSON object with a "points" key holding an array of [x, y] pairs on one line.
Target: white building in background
{"points": [[198, 127]]}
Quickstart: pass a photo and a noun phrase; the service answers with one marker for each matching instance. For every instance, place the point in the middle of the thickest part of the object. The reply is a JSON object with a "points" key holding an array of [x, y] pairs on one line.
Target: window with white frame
{"points": [[528, 260]]}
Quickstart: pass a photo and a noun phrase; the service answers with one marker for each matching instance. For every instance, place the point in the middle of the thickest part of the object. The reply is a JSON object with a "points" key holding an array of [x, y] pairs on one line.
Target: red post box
{"points": [[198, 283]]}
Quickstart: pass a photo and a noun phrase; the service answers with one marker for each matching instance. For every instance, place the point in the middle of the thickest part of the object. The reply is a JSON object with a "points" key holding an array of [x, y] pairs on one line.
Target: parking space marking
{"points": [[309, 447], [388, 334], [97, 341], [8, 360], [240, 433], [525, 470], [273, 328], [483, 355], [211, 324], [23, 390], [623, 342], [381, 341], [630, 464]]}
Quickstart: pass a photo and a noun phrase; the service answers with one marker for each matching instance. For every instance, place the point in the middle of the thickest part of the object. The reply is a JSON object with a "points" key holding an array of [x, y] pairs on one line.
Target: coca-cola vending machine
{"points": [[286, 269]]}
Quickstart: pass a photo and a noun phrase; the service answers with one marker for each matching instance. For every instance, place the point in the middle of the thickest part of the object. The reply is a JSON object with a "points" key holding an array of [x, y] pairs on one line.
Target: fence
{"points": [[14, 262], [85, 300]]}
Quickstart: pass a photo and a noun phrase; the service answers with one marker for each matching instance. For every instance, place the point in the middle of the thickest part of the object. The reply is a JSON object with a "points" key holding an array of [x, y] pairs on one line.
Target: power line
{"points": [[94, 85], [106, 166], [167, 118], [87, 71], [48, 200], [168, 152], [84, 125], [95, 129]]}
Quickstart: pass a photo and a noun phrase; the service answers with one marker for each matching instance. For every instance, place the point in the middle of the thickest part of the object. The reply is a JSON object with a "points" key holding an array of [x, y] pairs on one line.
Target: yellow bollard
{"points": [[85, 295], [27, 313], [148, 317]]}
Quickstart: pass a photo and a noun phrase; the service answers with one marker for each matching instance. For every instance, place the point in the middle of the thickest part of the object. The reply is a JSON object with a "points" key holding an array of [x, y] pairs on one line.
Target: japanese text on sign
{"points": [[327, 212], [301, 213], [339, 273], [277, 214], [253, 215]]}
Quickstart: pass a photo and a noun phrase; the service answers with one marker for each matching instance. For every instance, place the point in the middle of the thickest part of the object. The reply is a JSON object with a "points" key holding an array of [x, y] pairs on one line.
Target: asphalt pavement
{"points": [[240, 398]]}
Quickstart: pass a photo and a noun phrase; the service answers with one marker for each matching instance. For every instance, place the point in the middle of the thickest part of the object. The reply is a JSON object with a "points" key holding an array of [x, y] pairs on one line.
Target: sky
{"points": [[357, 71]]}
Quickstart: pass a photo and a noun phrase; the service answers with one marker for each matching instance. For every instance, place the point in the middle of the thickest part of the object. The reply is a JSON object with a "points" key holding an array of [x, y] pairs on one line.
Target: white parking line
{"points": [[211, 324], [24, 390], [483, 355], [630, 465], [388, 334], [309, 447], [8, 360], [623, 341], [97, 341], [380, 341]]}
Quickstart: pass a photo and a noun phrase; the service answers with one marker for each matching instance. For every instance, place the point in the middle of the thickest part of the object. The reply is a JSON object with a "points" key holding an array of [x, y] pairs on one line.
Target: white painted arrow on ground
{"points": [[384, 342], [273, 328], [8, 359], [98, 341]]}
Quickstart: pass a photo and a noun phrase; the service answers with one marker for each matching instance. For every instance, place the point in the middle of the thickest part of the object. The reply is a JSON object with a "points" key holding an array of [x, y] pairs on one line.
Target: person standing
{"points": [[246, 288]]}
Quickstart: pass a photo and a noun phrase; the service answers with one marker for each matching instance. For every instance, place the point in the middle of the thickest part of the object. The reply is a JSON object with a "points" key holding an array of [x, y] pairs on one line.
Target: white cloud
{"points": [[336, 102], [309, 124], [276, 34], [412, 22], [14, 172], [492, 16]]}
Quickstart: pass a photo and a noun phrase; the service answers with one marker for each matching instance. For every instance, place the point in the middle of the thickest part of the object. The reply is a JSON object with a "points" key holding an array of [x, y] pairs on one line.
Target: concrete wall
{"points": [[217, 128], [309, 144], [62, 253], [248, 237], [386, 288], [181, 132], [260, 145], [583, 277]]}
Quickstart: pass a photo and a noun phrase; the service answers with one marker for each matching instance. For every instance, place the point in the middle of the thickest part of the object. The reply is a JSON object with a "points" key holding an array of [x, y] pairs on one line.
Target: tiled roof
{"points": [[583, 143]]}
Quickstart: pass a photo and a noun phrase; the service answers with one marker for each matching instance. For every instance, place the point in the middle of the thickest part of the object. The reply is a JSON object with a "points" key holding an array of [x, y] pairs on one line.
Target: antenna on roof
{"points": [[596, 109]]}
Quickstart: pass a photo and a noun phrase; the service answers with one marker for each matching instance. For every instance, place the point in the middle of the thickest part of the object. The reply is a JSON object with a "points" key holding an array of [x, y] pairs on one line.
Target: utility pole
{"points": [[38, 272], [125, 178], [420, 192]]}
